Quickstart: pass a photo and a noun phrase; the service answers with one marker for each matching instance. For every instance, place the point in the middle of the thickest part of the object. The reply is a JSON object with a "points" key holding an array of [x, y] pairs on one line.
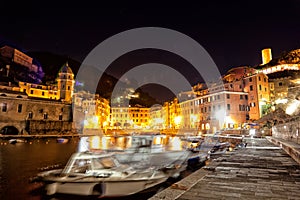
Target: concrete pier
{"points": [[262, 170]]}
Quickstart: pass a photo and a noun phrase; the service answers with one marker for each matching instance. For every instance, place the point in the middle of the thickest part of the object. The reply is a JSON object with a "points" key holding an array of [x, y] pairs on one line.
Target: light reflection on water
{"points": [[22, 161]]}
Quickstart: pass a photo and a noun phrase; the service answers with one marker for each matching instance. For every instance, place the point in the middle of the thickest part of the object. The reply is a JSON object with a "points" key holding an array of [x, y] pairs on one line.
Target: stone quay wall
{"points": [[289, 131]]}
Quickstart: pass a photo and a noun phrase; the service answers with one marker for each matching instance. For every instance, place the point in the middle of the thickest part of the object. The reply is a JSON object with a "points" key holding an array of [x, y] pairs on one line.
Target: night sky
{"points": [[233, 32]]}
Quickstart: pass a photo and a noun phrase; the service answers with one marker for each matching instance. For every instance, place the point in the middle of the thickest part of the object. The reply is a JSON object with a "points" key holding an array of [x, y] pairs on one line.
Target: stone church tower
{"points": [[65, 83]]}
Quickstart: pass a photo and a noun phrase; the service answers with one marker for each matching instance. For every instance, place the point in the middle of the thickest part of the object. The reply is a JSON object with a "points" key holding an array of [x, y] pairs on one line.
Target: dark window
{"points": [[228, 96], [60, 117], [4, 107], [265, 80], [246, 97], [30, 115], [259, 78], [259, 87], [251, 87], [250, 79], [43, 93], [228, 106], [241, 97], [19, 108], [45, 116], [280, 83], [31, 91]]}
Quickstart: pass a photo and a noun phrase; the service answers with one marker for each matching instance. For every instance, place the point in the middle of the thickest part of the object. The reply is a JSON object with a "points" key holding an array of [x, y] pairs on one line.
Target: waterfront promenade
{"points": [[262, 170]]}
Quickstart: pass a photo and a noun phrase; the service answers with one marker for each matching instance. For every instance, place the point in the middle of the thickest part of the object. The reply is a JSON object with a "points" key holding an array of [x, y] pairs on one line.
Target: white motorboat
{"points": [[101, 174], [150, 151], [143, 150]]}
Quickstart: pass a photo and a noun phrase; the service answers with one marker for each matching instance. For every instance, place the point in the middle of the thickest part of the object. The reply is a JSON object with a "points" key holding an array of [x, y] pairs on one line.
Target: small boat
{"points": [[102, 175], [62, 140], [14, 141]]}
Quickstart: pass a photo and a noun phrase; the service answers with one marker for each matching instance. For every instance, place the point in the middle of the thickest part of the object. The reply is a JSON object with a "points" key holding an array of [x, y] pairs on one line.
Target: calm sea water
{"points": [[22, 161]]}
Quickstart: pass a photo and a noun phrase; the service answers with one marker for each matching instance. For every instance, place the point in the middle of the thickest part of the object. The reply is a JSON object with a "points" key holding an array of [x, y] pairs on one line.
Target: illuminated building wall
{"points": [[22, 59], [257, 86], [279, 90], [129, 117], [120, 118], [166, 115], [279, 68], [103, 111], [189, 114], [33, 116], [39, 91], [223, 109], [174, 114], [16, 56], [156, 119], [139, 116], [90, 111], [62, 91]]}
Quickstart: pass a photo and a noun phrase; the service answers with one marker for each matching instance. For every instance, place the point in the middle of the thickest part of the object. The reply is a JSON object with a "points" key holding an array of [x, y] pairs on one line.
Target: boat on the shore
{"points": [[62, 140], [14, 141]]}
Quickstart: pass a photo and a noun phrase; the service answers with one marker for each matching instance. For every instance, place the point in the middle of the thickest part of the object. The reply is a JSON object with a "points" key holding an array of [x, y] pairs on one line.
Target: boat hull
{"points": [[101, 187]]}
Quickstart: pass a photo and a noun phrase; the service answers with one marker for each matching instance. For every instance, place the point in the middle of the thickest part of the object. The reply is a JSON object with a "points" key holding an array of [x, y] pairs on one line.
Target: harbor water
{"points": [[20, 162]]}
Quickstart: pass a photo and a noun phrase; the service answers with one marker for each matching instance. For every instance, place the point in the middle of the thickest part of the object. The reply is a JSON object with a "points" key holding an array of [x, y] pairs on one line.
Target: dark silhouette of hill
{"points": [[51, 64]]}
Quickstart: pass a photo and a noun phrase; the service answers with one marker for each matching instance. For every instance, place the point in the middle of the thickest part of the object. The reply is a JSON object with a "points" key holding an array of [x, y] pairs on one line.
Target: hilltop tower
{"points": [[65, 83], [266, 55]]}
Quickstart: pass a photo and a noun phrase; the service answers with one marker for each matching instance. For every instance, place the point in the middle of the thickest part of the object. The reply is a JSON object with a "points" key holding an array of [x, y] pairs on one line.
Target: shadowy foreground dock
{"points": [[262, 170]]}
